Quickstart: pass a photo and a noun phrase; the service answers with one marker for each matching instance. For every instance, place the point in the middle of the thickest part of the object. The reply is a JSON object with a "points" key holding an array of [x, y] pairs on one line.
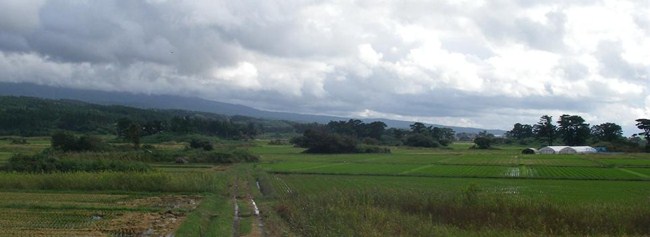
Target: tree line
{"points": [[355, 136], [572, 130]]}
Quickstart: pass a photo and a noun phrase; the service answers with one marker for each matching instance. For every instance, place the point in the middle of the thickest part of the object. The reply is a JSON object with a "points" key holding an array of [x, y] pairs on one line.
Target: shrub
{"points": [[202, 144], [420, 140], [65, 141], [47, 163], [483, 142], [370, 141], [222, 156], [277, 142], [372, 149], [19, 141], [322, 142]]}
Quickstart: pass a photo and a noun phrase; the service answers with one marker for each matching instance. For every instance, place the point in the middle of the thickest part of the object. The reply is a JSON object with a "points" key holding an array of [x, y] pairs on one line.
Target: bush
{"points": [[201, 143], [223, 156], [65, 141], [47, 163], [371, 141], [420, 140], [19, 141], [277, 142], [483, 142], [322, 142], [372, 149]]}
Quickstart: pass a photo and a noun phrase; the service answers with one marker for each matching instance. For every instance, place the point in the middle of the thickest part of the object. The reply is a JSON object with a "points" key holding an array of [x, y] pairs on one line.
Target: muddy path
{"points": [[246, 207]]}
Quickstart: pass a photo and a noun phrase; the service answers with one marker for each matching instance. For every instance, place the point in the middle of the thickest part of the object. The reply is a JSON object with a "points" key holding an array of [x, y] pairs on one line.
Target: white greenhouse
{"points": [[551, 149], [578, 150]]}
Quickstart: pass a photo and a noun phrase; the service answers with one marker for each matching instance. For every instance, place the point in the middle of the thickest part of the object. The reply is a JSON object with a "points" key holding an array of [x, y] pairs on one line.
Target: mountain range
{"points": [[187, 103]]}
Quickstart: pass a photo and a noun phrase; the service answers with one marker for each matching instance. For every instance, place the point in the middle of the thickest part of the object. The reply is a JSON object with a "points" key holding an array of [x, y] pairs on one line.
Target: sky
{"points": [[475, 63]]}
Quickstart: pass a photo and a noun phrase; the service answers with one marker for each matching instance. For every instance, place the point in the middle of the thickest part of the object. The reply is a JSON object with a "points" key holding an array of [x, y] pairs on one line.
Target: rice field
{"points": [[609, 178], [120, 204], [88, 214]]}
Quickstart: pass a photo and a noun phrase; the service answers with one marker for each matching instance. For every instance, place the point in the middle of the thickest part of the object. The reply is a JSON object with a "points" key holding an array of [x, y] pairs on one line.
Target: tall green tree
{"points": [[644, 124], [573, 130], [444, 136], [376, 129], [520, 131], [419, 128], [133, 134], [607, 132], [545, 130]]}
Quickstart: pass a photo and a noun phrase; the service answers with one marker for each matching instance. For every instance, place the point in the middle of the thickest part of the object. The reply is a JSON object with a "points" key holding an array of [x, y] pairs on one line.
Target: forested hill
{"points": [[188, 103], [28, 116]]}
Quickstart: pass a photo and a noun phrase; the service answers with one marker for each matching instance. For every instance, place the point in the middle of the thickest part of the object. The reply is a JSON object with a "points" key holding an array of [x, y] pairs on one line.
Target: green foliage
{"points": [[607, 132], [521, 133], [377, 212], [209, 219], [423, 136], [644, 124], [372, 149], [66, 141], [483, 142], [545, 130], [27, 116], [420, 140], [573, 130], [278, 142], [19, 141], [47, 163], [356, 128], [115, 181], [324, 142], [317, 141], [201, 144], [217, 156]]}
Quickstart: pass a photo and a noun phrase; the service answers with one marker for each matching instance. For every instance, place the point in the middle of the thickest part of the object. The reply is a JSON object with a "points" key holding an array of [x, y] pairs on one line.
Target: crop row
{"points": [[455, 170], [626, 162], [50, 219], [556, 189], [583, 173]]}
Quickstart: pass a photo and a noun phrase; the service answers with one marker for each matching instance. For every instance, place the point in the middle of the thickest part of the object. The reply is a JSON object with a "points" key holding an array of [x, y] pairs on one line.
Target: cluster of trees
{"points": [[429, 136], [131, 130], [342, 137], [66, 141], [572, 130], [345, 136]]}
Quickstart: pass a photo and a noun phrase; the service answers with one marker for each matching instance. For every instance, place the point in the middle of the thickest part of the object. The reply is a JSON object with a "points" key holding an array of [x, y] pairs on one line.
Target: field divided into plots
{"points": [[599, 176], [84, 214]]}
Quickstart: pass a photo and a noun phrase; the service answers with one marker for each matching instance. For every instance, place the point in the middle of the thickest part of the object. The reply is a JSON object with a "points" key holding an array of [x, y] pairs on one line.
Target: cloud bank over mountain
{"points": [[464, 63]]}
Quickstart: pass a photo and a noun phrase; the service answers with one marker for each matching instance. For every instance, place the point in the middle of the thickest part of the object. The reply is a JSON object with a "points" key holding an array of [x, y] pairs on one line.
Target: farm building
{"points": [[551, 149], [578, 150], [529, 151]]}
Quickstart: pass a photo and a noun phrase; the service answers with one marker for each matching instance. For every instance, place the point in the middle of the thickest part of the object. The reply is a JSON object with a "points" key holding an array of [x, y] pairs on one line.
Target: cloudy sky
{"points": [[466, 63]]}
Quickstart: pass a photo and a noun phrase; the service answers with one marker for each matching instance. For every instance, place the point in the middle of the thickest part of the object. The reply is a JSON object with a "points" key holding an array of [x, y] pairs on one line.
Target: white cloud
{"points": [[478, 63], [243, 75], [368, 55]]}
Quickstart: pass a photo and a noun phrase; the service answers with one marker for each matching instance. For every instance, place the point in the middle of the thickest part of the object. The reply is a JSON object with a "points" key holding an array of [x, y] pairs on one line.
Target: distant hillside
{"points": [[185, 103], [29, 116]]}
